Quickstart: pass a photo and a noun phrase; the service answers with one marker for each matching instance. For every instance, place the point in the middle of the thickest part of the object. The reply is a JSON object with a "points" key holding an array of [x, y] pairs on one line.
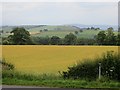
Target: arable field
{"points": [[37, 59]]}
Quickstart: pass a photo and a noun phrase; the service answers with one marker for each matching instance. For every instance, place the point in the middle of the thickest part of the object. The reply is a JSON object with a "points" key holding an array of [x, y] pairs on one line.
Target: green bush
{"points": [[89, 69], [110, 64]]}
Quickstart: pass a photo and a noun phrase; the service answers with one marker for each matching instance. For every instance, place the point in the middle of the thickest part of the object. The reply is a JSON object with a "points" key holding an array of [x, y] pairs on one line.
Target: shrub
{"points": [[89, 69]]}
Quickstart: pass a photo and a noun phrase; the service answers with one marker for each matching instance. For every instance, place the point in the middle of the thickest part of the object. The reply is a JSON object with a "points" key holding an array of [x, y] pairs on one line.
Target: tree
{"points": [[110, 28], [55, 40], [45, 30], [88, 28], [44, 40], [20, 36], [80, 30], [96, 28], [110, 37], [40, 30], [101, 36], [118, 39], [70, 39], [92, 28], [76, 32], [85, 41]]}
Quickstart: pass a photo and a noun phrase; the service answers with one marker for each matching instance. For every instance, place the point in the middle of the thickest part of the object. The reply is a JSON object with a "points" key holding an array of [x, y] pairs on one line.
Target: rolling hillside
{"points": [[53, 30]]}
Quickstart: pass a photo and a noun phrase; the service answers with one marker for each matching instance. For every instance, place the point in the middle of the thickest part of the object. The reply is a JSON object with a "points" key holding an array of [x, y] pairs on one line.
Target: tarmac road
{"points": [[15, 87]]}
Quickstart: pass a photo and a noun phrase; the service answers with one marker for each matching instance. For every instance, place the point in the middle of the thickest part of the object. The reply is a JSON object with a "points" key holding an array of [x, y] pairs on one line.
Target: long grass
{"points": [[54, 81]]}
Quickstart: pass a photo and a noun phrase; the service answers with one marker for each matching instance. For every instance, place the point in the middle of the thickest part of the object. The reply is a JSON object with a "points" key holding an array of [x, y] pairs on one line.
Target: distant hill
{"points": [[40, 27], [58, 27], [103, 27], [58, 30]]}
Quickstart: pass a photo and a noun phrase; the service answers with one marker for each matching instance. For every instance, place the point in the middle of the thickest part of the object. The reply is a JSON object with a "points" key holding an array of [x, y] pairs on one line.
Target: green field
{"points": [[62, 33], [59, 31]]}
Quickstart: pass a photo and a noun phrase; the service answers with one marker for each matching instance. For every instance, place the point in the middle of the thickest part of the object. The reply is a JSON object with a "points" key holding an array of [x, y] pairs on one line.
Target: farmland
{"points": [[55, 30], [62, 33], [49, 59]]}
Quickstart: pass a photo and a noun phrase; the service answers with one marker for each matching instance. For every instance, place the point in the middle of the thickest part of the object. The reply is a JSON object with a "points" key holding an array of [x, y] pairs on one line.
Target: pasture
{"points": [[53, 30], [63, 33], [60, 31], [38, 59]]}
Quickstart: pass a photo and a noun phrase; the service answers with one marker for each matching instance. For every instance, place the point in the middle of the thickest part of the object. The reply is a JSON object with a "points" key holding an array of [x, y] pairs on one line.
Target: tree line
{"points": [[20, 36], [108, 38]]}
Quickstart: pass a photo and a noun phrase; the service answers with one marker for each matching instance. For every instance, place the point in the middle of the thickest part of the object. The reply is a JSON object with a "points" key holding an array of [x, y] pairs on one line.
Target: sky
{"points": [[59, 13]]}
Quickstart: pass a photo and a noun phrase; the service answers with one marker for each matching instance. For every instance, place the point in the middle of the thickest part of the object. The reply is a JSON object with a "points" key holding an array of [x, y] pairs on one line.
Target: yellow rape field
{"points": [[49, 59]]}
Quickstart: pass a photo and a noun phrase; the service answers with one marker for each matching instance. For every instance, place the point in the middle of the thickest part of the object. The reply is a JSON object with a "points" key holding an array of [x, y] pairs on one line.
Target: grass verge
{"points": [[15, 78]]}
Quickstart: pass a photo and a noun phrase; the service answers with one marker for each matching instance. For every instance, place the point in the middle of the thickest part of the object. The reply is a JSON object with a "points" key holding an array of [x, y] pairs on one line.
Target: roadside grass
{"points": [[45, 80], [61, 83]]}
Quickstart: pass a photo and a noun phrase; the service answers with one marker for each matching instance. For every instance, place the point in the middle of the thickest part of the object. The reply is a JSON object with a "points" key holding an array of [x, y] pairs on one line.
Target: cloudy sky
{"points": [[57, 13]]}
